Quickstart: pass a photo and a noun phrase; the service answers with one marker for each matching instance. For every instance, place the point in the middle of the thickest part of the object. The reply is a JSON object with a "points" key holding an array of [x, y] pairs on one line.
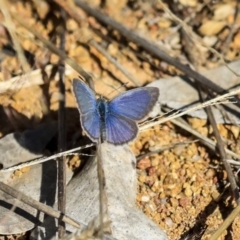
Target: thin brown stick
{"points": [[231, 32], [222, 152], [148, 46], [55, 50], [101, 181], [37, 205], [62, 131], [10, 26], [164, 148], [116, 63], [192, 40]]}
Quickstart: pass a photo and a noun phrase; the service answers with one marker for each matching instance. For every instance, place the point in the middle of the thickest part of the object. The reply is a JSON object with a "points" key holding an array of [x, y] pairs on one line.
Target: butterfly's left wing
{"points": [[85, 97], [134, 104], [91, 125], [119, 129], [87, 105]]}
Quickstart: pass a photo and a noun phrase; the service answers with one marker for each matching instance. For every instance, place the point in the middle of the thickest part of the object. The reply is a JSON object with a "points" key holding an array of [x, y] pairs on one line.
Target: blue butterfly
{"points": [[114, 120]]}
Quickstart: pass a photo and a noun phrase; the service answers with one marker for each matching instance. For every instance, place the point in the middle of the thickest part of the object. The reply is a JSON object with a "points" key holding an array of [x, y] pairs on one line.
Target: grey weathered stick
{"points": [[217, 100], [37, 205], [44, 159]]}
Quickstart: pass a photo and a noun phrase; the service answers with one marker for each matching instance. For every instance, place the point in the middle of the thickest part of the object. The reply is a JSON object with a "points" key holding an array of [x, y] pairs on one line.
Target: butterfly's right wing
{"points": [[135, 104], [87, 106], [127, 108]]}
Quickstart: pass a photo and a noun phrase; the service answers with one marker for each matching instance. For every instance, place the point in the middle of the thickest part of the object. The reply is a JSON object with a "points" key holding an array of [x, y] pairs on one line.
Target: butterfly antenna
{"points": [[124, 84], [88, 81]]}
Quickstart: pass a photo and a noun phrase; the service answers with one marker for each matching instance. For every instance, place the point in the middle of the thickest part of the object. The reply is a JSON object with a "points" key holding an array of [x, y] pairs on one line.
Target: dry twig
{"points": [[11, 29], [38, 205], [44, 159], [62, 132], [211, 102], [226, 223], [204, 140], [115, 62], [55, 50], [223, 154], [149, 47]]}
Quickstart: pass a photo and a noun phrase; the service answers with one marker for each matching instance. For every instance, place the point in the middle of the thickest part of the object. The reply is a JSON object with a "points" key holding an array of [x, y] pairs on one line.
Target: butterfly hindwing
{"points": [[135, 104], [119, 129], [91, 125], [85, 97]]}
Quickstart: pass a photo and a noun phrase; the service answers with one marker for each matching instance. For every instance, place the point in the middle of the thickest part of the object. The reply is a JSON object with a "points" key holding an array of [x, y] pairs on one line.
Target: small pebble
{"points": [[151, 143], [138, 145], [168, 221], [155, 162], [163, 200], [142, 178], [145, 198], [18, 173], [144, 163], [210, 173], [188, 192], [215, 195], [151, 171], [174, 202]]}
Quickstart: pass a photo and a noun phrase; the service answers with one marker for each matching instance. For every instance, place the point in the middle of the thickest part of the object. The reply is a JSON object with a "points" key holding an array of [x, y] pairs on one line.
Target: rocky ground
{"points": [[184, 188]]}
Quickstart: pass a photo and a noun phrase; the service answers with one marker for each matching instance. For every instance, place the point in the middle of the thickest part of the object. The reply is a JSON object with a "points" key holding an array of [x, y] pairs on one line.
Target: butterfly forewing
{"points": [[120, 129], [135, 104], [91, 125], [87, 105], [84, 96]]}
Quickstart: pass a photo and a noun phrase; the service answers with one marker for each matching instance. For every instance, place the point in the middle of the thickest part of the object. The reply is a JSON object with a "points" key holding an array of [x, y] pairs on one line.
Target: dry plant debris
{"points": [[182, 189]]}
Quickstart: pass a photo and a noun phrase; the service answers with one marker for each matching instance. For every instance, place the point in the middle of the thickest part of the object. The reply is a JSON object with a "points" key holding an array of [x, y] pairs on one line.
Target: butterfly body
{"points": [[102, 110], [114, 120]]}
